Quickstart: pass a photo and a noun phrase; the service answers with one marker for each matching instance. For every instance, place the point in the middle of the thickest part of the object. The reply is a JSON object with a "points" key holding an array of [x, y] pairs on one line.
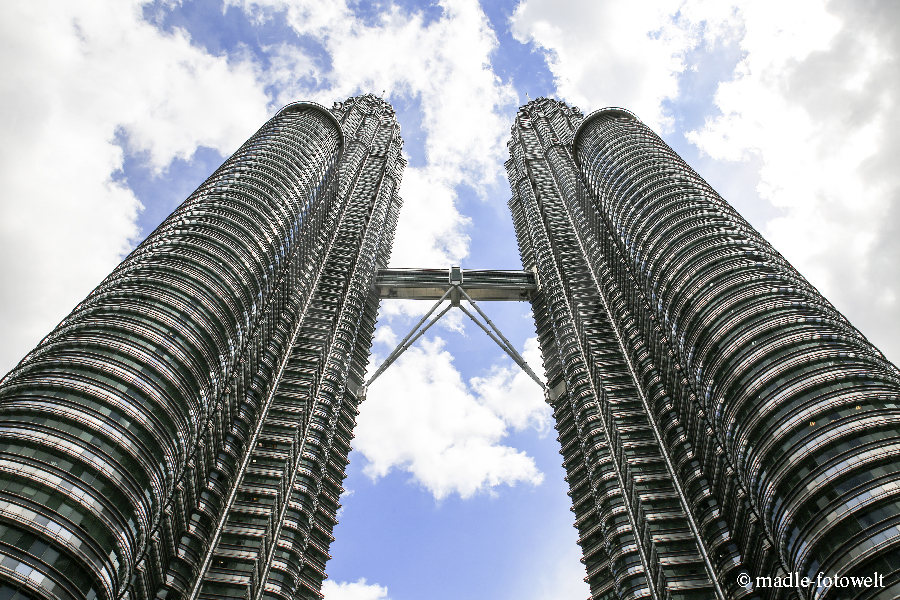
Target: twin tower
{"points": [[183, 433]]}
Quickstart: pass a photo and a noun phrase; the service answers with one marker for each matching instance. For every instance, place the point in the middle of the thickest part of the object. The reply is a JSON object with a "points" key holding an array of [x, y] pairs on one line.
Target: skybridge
{"points": [[456, 285]]}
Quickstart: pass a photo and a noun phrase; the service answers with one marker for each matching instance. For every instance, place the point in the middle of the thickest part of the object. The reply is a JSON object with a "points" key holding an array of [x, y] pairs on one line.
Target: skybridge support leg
{"points": [[410, 339], [517, 358], [456, 293], [506, 345]]}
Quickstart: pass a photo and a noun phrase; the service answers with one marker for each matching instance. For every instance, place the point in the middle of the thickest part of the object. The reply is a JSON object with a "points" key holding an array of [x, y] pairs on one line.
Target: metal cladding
{"points": [[432, 284], [720, 421], [184, 431]]}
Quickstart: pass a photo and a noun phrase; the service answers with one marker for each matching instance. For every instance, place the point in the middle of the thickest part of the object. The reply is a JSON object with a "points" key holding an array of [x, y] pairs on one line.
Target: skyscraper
{"points": [[719, 420], [183, 433]]}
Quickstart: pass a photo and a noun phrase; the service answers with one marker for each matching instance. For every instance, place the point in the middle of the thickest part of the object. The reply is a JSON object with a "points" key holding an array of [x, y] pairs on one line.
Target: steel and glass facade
{"points": [[183, 433], [719, 420]]}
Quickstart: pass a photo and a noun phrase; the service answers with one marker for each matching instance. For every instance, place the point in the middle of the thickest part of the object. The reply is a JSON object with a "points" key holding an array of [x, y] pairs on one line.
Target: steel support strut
{"points": [[505, 344], [407, 342], [455, 292]]}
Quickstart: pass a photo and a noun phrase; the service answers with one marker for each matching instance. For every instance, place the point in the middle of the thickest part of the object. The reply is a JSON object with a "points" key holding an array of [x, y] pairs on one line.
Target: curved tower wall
{"points": [[273, 538], [718, 418], [797, 413], [235, 334], [633, 506]]}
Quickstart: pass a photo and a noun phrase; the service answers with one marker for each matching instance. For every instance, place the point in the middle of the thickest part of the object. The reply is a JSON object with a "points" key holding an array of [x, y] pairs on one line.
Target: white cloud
{"points": [[385, 335], [359, 590], [75, 75], [608, 53], [430, 231], [513, 396], [446, 63], [420, 417]]}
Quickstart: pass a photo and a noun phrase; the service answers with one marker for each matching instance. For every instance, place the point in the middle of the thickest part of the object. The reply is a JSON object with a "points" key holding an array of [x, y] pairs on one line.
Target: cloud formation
{"points": [[420, 417], [512, 395], [358, 590], [77, 77], [602, 55]]}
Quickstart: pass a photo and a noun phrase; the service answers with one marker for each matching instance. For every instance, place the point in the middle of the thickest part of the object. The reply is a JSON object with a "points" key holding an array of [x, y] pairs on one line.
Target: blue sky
{"points": [[114, 111]]}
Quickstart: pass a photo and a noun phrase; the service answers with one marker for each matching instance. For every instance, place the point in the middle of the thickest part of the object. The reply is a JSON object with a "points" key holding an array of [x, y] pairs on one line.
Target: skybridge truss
{"points": [[455, 285]]}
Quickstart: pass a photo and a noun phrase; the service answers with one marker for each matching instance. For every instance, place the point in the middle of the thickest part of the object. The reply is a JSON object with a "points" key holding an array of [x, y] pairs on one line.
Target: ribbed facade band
{"points": [[719, 420], [183, 433]]}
